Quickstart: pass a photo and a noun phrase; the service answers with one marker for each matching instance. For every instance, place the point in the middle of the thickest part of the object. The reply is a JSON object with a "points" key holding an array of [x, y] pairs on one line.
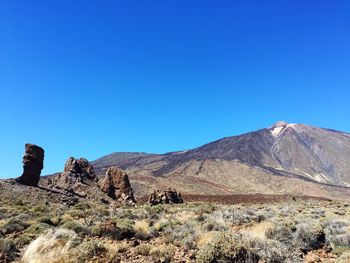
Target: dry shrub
{"points": [[90, 251], [163, 222], [272, 251], [143, 249], [227, 248], [76, 227], [344, 258], [309, 236], [13, 225], [181, 235], [51, 247], [280, 233], [259, 230], [163, 254], [206, 238], [142, 229], [8, 250], [337, 233]]}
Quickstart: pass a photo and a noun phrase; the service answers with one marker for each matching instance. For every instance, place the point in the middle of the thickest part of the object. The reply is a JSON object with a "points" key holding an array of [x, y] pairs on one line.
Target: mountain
{"points": [[282, 159]]}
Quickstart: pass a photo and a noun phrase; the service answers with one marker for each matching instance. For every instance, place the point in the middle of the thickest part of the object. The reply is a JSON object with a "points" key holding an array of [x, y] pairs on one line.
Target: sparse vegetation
{"points": [[13, 225], [8, 250], [227, 248], [195, 232], [143, 249]]}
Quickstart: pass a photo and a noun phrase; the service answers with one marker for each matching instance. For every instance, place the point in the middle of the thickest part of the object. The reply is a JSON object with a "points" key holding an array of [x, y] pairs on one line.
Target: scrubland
{"points": [[288, 231]]}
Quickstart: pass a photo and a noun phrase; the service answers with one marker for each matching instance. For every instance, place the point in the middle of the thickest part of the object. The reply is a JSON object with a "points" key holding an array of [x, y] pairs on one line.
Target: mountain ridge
{"points": [[297, 151]]}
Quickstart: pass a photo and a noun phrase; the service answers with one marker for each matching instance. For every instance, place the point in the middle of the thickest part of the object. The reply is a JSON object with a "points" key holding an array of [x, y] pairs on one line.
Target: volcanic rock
{"points": [[299, 159], [77, 172], [165, 197], [117, 186], [33, 163]]}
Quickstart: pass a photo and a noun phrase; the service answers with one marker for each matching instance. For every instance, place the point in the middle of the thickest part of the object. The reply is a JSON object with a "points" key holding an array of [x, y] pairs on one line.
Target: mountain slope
{"points": [[258, 161]]}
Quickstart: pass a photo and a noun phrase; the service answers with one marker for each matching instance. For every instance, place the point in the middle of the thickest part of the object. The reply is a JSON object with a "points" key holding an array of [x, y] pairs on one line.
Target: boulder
{"points": [[33, 163], [169, 196], [77, 173], [117, 186]]}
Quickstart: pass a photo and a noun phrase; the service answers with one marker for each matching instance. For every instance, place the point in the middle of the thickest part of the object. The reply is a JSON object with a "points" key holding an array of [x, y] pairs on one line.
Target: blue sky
{"points": [[87, 78]]}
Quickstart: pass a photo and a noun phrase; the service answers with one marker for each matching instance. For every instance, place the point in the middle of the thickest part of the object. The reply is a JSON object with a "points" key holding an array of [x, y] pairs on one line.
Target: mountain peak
{"points": [[293, 150], [278, 127], [280, 124]]}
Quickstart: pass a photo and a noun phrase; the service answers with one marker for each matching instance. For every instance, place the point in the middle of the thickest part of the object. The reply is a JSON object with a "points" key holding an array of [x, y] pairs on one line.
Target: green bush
{"points": [[162, 254], [23, 240], [125, 214], [82, 206], [143, 249], [19, 202], [89, 250], [227, 248], [272, 251], [214, 226], [241, 216], [280, 233], [117, 230], [126, 228], [13, 225], [156, 209], [47, 220], [37, 229], [3, 213], [183, 234], [309, 236], [8, 250], [76, 227], [337, 233], [40, 209]]}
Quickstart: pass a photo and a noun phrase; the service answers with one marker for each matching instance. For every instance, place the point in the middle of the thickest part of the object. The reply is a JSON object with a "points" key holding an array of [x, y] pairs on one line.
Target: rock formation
{"points": [[165, 197], [117, 185], [77, 172], [33, 163]]}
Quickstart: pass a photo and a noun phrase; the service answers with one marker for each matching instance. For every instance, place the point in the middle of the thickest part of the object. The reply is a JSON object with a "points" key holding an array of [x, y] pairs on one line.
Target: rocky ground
{"points": [[37, 225], [78, 216]]}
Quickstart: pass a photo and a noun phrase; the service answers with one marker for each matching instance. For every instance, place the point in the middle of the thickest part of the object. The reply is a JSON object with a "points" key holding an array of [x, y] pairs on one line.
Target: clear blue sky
{"points": [[87, 78]]}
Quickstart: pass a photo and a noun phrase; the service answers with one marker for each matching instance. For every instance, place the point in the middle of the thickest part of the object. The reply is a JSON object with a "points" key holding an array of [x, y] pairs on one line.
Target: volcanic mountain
{"points": [[282, 159]]}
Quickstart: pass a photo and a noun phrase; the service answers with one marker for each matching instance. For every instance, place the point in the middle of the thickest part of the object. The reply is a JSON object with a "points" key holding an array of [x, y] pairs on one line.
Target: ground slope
{"points": [[282, 159]]}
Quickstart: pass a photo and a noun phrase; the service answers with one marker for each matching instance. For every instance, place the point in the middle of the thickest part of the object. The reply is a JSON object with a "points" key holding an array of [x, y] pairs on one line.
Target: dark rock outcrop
{"points": [[169, 196], [117, 186], [33, 163], [77, 172]]}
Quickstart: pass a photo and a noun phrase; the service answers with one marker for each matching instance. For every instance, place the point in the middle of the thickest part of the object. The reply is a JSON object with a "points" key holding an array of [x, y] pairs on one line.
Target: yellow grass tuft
{"points": [[185, 216], [142, 226], [258, 230], [206, 238], [67, 217], [51, 247], [161, 223]]}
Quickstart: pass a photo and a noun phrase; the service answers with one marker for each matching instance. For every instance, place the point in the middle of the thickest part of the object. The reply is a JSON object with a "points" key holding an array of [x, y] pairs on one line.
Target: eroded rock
{"points": [[33, 163], [169, 196], [117, 186], [76, 174]]}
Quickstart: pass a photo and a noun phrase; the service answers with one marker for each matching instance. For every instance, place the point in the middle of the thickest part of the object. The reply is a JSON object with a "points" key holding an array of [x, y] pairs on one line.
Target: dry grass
{"points": [[142, 227], [205, 238], [258, 230], [271, 232], [52, 247]]}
